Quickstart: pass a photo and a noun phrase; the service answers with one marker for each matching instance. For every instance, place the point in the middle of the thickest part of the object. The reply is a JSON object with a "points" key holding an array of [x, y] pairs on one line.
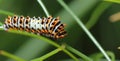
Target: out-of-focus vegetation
{"points": [[106, 32]]}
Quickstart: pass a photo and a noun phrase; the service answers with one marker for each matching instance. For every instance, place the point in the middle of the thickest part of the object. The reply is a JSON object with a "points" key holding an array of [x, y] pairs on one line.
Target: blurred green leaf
{"points": [[106, 32], [33, 47], [115, 1], [6, 12]]}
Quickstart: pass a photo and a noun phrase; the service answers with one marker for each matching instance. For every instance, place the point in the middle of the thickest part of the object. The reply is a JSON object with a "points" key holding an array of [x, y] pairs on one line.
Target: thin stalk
{"points": [[71, 55], [47, 14], [44, 39], [85, 29], [41, 38], [79, 53], [49, 54], [43, 7], [93, 19], [4, 53]]}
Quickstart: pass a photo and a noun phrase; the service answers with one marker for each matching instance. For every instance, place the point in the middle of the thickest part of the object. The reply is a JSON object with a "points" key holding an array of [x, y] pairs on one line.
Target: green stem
{"points": [[44, 39], [43, 7], [71, 55], [93, 19], [49, 54], [47, 13], [85, 29], [4, 53], [56, 45], [79, 53]]}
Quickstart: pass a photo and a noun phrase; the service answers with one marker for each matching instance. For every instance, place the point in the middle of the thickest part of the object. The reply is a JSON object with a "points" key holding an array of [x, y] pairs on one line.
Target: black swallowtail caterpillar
{"points": [[50, 27]]}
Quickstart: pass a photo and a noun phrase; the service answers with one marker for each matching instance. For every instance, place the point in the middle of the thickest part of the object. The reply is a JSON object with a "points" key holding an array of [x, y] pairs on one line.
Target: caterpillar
{"points": [[49, 27]]}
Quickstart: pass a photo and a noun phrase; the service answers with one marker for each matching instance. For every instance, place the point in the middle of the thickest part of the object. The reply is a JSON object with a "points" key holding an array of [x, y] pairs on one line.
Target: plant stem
{"points": [[43, 7], [79, 53], [93, 19], [85, 29], [4, 53], [49, 54], [44, 39], [47, 14], [71, 55]]}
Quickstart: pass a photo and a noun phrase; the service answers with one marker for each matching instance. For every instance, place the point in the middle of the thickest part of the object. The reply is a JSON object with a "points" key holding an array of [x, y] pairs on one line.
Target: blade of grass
{"points": [[4, 53], [85, 29]]}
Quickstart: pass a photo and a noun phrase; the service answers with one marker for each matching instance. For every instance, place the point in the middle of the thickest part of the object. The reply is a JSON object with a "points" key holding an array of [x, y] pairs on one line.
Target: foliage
{"points": [[25, 45]]}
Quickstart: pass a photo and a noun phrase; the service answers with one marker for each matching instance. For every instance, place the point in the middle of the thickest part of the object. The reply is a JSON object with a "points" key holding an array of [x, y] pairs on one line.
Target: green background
{"points": [[106, 32]]}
